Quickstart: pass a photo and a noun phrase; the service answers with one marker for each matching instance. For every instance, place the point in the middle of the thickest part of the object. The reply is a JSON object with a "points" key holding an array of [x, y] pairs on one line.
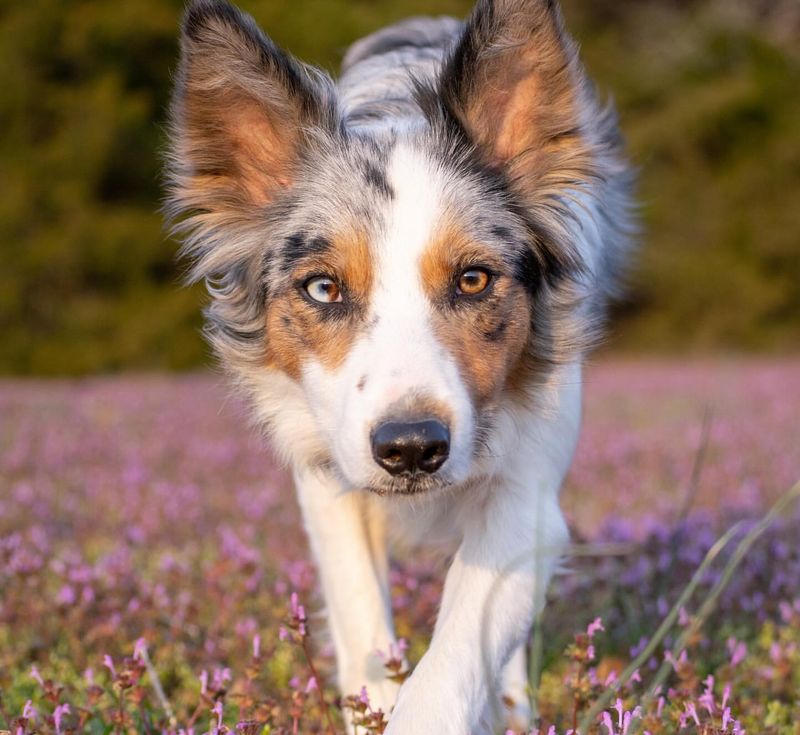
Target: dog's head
{"points": [[407, 279]]}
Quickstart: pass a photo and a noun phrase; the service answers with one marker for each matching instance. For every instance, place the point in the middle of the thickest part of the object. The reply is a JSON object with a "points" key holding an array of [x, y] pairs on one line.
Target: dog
{"points": [[407, 268]]}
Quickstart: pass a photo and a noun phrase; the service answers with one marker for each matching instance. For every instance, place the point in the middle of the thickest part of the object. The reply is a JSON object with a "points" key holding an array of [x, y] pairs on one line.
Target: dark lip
{"points": [[407, 487]]}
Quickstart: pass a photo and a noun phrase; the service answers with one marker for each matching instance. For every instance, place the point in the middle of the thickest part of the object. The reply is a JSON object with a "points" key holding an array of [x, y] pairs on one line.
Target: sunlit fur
{"points": [[443, 147]]}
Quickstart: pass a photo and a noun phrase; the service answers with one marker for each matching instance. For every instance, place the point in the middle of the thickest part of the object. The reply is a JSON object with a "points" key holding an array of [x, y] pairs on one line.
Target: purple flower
{"points": [[595, 626], [140, 650], [217, 710], [58, 714], [108, 662], [691, 711], [706, 699], [737, 650], [726, 718], [220, 678], [66, 595]]}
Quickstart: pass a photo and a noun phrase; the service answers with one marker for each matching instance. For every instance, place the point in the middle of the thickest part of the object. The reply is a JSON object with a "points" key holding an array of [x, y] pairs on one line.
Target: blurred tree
{"points": [[707, 90]]}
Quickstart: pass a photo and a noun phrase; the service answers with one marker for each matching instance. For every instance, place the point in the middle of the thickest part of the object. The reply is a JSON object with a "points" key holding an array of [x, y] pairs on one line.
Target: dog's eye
{"points": [[473, 281], [323, 289]]}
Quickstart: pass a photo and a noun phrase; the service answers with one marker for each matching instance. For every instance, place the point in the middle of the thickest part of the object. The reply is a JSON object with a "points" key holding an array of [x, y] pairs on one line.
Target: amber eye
{"points": [[473, 281], [323, 289]]}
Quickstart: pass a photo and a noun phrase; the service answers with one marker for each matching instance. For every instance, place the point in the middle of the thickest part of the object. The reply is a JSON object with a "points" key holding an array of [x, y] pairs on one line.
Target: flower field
{"points": [[154, 574]]}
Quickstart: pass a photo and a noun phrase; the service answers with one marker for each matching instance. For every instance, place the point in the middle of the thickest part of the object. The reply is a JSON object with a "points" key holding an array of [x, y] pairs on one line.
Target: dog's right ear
{"points": [[241, 112]]}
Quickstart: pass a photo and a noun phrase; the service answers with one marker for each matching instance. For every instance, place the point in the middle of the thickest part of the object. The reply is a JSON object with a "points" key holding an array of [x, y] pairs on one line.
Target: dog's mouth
{"points": [[408, 485]]}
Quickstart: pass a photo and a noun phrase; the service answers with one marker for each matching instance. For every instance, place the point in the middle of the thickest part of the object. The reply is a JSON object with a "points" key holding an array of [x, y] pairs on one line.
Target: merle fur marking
{"points": [[300, 246], [376, 178]]}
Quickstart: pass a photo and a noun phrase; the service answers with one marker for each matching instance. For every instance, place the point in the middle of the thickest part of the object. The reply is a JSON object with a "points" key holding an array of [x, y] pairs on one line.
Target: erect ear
{"points": [[515, 85], [240, 115]]}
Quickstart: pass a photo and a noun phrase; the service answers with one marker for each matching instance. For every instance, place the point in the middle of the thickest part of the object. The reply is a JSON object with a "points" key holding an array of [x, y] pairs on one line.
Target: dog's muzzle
{"points": [[411, 448]]}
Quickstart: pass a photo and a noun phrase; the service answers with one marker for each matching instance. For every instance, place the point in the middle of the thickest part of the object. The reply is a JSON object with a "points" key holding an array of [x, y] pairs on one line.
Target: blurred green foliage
{"points": [[709, 102]]}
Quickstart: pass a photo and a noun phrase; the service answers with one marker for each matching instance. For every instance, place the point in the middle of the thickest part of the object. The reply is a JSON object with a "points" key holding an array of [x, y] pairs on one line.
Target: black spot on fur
{"points": [[300, 246], [377, 180], [496, 334], [527, 271], [556, 268], [502, 233]]}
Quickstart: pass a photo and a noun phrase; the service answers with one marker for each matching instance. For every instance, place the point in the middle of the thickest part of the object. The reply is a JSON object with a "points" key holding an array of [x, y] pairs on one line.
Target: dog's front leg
{"points": [[346, 533], [494, 587]]}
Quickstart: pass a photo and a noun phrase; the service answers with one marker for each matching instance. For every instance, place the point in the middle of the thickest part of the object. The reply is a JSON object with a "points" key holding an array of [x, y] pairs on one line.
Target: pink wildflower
{"points": [[140, 650], [217, 710], [108, 662], [58, 715], [726, 696], [726, 718], [737, 651], [691, 710], [595, 626]]}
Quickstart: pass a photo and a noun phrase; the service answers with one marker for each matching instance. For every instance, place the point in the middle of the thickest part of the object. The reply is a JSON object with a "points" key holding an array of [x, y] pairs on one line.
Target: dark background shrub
{"points": [[707, 91]]}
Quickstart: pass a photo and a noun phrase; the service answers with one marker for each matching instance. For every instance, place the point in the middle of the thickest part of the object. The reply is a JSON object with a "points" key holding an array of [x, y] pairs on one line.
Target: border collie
{"points": [[407, 267]]}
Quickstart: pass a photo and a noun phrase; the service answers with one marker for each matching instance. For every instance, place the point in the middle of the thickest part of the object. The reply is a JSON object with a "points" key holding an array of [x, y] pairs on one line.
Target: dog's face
{"points": [[400, 301], [406, 278]]}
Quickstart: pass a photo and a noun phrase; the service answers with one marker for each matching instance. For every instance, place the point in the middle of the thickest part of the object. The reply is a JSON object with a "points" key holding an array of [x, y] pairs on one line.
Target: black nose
{"points": [[421, 446]]}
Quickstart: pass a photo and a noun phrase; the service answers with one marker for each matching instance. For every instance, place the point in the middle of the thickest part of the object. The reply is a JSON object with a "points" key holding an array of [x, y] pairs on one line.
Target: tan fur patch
{"points": [[235, 144], [298, 330], [417, 406], [486, 335]]}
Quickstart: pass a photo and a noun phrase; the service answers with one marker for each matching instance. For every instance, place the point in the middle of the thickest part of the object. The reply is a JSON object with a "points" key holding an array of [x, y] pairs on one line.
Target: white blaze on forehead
{"points": [[417, 206], [403, 334]]}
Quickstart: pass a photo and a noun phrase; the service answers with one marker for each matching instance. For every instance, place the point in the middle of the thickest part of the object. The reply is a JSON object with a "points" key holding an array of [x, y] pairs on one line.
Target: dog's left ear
{"points": [[514, 83]]}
